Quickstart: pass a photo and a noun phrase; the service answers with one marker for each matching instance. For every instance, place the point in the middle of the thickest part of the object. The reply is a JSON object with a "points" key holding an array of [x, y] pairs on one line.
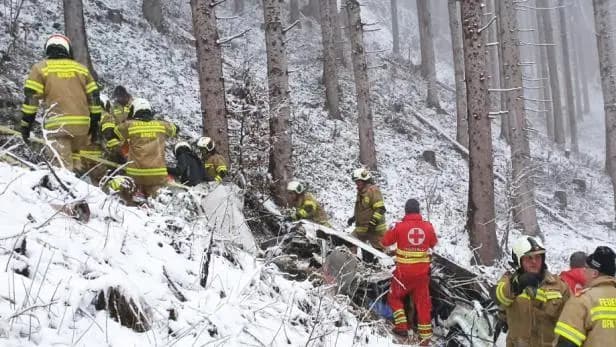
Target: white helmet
{"points": [[207, 143], [296, 187], [361, 174], [525, 245], [58, 40], [180, 145], [104, 99], [140, 105], [105, 102]]}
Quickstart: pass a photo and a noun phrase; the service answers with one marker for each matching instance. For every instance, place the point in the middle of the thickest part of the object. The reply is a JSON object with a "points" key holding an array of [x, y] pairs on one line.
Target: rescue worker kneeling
{"points": [[589, 318], [215, 164], [532, 297], [188, 169], [306, 206], [414, 237], [146, 147]]}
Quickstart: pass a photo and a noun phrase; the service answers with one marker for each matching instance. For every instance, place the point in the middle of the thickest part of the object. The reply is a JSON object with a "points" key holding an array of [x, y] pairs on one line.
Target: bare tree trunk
{"points": [[575, 61], [557, 109], [211, 83], [75, 29], [458, 62], [367, 149], [522, 196], [280, 113], [582, 62], [428, 67], [543, 75], [570, 98], [293, 10], [337, 27], [493, 54], [505, 131], [330, 72], [605, 46], [394, 27], [480, 224]]}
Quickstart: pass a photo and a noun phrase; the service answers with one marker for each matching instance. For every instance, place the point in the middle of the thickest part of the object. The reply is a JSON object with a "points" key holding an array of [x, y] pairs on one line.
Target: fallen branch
{"points": [[462, 150], [174, 289]]}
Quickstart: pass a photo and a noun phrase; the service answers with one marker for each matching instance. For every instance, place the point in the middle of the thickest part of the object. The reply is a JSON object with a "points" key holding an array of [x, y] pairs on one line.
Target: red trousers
{"points": [[418, 287]]}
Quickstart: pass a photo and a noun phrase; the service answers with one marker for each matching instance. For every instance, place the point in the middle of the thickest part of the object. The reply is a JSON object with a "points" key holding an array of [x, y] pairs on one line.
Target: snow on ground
{"points": [[246, 300]]}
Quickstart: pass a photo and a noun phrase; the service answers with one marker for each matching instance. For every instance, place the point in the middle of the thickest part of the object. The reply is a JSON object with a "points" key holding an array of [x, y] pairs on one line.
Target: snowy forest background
{"points": [[149, 48]]}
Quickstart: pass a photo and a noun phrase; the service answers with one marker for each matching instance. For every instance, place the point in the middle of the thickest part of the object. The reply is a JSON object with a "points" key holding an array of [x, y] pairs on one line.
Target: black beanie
{"points": [[411, 206], [603, 260]]}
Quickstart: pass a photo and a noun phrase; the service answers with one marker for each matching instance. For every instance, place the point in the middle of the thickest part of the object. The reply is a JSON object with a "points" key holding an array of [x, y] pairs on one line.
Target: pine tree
{"points": [[367, 149], [480, 223], [75, 30], [280, 113], [211, 84]]}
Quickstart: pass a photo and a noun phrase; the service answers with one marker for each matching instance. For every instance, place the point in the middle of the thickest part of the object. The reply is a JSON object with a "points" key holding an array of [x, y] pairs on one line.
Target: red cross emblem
{"points": [[416, 236]]}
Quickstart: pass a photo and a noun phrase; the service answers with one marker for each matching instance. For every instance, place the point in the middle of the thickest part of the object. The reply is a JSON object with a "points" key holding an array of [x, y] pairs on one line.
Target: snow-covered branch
{"points": [[216, 3], [503, 89], [227, 18], [487, 24], [284, 30], [525, 43], [378, 51], [227, 39]]}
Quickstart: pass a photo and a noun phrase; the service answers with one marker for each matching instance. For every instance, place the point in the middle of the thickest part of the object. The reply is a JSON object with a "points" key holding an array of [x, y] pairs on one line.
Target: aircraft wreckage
{"points": [[461, 304]]}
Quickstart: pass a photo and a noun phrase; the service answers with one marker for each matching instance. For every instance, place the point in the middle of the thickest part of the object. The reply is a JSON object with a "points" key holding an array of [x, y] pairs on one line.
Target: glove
{"points": [[25, 133], [519, 282], [177, 129], [350, 221]]}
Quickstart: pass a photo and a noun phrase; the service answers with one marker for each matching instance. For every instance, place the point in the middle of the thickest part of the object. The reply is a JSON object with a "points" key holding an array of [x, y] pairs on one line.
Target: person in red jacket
{"points": [[414, 238], [575, 276]]}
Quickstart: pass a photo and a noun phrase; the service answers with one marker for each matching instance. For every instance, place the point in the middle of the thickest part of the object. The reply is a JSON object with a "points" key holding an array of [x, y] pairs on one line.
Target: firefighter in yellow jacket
{"points": [[116, 114], [306, 206], [215, 164], [369, 216], [146, 147], [532, 297], [589, 319], [69, 92]]}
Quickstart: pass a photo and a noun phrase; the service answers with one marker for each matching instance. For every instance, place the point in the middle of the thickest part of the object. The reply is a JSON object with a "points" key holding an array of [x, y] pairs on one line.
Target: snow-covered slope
{"points": [[246, 301]]}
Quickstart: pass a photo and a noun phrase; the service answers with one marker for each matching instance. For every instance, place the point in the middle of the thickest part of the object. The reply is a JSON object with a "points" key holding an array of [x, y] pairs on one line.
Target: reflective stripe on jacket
{"points": [[307, 207], [589, 319], [146, 141], [370, 206], [414, 237], [215, 167], [531, 317], [64, 84]]}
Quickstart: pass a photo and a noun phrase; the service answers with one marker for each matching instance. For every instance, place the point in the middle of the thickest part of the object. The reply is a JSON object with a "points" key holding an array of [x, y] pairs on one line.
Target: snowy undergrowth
{"points": [[246, 300]]}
